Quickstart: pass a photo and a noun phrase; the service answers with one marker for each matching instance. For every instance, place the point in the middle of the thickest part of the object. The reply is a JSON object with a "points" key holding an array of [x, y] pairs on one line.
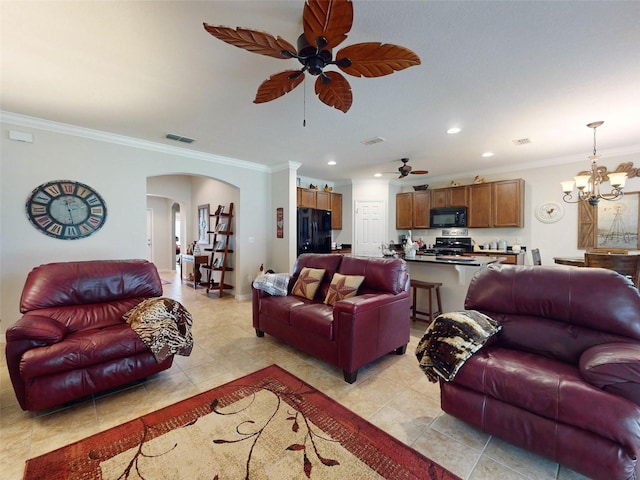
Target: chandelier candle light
{"points": [[589, 185]]}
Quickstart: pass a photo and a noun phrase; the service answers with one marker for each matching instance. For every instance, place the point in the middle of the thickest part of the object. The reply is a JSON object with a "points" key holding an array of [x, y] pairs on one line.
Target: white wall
{"points": [[118, 168]]}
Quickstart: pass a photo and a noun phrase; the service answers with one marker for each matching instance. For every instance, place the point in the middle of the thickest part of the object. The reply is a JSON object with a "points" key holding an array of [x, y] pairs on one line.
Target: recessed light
{"points": [[487, 154], [453, 130], [377, 174], [331, 162]]}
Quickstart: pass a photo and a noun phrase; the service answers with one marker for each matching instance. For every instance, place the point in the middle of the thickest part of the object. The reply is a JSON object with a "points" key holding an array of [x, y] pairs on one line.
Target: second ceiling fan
{"points": [[326, 24], [405, 169]]}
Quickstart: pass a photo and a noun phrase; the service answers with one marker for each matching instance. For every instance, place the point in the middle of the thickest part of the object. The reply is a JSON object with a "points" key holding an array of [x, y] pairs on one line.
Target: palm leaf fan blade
{"points": [[375, 59], [336, 92], [277, 85], [331, 19], [252, 40]]}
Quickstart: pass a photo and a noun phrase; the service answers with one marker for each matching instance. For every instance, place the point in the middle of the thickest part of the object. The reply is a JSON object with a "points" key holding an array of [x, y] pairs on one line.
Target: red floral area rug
{"points": [[267, 425]]}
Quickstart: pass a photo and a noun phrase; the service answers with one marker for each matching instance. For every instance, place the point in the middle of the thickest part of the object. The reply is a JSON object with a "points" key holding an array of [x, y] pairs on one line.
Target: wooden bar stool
{"points": [[430, 287]]}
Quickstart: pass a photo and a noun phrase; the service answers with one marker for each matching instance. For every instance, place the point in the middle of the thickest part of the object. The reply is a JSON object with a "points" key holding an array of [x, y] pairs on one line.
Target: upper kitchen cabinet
{"points": [[450, 197], [306, 197], [323, 200], [404, 211], [508, 203], [336, 211], [480, 206], [497, 204], [412, 210], [421, 207]]}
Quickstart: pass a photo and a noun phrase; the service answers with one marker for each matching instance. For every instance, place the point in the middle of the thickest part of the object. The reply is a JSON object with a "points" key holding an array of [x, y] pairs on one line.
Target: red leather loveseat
{"points": [[353, 331], [562, 377], [71, 341]]}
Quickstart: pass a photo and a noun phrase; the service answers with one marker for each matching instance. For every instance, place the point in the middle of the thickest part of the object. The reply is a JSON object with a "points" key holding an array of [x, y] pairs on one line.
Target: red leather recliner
{"points": [[562, 377], [71, 341], [353, 332]]}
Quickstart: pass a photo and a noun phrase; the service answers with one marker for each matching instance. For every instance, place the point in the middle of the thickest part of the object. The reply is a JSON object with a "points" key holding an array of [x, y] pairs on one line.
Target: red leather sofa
{"points": [[562, 377], [71, 341], [352, 332]]}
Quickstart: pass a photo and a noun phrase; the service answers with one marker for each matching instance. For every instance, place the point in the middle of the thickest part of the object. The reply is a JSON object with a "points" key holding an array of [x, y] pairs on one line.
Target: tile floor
{"points": [[392, 393]]}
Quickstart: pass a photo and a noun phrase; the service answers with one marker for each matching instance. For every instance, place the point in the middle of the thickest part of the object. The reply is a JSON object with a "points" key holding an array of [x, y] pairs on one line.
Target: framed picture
{"points": [[203, 223], [279, 222], [617, 223]]}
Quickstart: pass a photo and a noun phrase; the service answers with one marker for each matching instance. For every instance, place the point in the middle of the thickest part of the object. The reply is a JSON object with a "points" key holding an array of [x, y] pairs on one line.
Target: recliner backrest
{"points": [[557, 311]]}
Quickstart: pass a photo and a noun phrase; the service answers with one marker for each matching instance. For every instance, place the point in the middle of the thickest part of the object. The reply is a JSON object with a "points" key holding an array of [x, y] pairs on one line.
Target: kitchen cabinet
{"points": [[450, 197], [509, 257], [412, 210], [306, 198], [508, 203], [496, 204], [336, 211], [404, 211], [458, 196], [490, 205], [421, 207], [323, 200], [479, 206]]}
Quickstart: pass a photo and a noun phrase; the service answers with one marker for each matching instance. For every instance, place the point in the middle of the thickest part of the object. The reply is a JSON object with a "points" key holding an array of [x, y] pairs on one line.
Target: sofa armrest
{"points": [[36, 328], [369, 326], [361, 303], [614, 367]]}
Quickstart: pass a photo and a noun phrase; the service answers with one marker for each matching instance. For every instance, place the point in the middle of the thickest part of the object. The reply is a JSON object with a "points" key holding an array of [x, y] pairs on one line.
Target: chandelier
{"points": [[588, 184]]}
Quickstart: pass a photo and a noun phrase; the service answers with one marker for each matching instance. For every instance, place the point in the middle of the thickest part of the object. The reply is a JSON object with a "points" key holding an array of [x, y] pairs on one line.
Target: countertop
{"points": [[470, 261]]}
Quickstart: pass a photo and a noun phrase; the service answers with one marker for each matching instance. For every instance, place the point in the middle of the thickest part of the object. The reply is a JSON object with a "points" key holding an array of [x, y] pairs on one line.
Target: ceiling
{"points": [[500, 71]]}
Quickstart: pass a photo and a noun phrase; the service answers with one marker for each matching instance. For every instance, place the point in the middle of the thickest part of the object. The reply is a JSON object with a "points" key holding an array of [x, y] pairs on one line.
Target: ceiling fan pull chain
{"points": [[304, 105]]}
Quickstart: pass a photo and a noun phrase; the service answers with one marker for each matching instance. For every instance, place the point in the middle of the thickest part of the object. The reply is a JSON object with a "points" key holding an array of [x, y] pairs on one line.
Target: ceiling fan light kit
{"points": [[326, 24]]}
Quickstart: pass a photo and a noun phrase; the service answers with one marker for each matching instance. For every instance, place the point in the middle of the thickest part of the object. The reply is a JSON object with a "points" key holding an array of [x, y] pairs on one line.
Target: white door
{"points": [[150, 234], [370, 227]]}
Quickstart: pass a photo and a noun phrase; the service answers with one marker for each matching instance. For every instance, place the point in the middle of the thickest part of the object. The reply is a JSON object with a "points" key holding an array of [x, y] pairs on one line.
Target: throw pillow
{"points": [[343, 286], [308, 282]]}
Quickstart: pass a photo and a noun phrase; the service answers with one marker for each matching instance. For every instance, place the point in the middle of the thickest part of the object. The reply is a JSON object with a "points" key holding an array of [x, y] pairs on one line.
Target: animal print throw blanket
{"points": [[273, 283], [450, 340], [164, 326]]}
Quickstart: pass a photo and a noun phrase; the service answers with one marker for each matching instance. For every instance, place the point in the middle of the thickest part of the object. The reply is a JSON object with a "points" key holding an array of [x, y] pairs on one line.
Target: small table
{"points": [[196, 261], [572, 261]]}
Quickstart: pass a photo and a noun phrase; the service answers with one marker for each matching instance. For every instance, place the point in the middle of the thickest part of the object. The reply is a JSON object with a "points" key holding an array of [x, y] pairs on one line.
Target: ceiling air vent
{"points": [[372, 141], [179, 138], [521, 141]]}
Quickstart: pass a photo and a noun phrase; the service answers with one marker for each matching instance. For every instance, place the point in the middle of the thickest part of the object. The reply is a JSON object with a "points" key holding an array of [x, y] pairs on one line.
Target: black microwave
{"points": [[448, 217]]}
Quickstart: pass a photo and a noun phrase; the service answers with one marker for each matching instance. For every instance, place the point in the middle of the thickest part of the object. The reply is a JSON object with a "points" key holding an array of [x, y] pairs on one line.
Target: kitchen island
{"points": [[453, 271]]}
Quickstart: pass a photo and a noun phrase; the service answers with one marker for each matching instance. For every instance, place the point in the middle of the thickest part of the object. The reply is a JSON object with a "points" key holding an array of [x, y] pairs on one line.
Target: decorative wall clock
{"points": [[66, 209], [549, 212]]}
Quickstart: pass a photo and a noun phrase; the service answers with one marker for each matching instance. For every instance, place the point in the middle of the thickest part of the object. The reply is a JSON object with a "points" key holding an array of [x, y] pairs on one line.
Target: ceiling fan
{"points": [[405, 169], [326, 24]]}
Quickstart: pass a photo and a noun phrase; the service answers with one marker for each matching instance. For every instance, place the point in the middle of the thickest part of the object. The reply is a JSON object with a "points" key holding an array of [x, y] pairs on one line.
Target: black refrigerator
{"points": [[314, 231]]}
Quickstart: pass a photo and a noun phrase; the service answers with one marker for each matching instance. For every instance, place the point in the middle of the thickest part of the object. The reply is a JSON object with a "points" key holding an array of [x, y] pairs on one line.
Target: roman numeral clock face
{"points": [[66, 209]]}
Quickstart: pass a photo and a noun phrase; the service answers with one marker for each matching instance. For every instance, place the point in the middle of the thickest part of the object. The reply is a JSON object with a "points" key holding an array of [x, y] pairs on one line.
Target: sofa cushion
{"points": [[342, 286], [308, 282], [81, 349], [614, 367], [316, 318], [280, 307]]}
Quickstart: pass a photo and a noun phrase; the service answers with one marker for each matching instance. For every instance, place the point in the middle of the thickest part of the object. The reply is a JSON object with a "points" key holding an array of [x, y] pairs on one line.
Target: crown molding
{"points": [[75, 131]]}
